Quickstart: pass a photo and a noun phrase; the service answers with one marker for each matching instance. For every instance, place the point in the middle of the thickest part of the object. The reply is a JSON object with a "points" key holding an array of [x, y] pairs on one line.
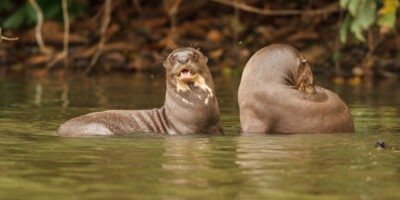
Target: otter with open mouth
{"points": [[277, 95], [190, 104]]}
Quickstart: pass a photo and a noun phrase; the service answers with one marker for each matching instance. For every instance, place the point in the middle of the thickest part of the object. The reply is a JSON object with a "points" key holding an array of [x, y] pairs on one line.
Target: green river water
{"points": [[36, 164]]}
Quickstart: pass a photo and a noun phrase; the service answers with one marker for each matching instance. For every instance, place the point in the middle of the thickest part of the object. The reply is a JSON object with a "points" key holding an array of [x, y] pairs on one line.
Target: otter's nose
{"points": [[182, 59]]}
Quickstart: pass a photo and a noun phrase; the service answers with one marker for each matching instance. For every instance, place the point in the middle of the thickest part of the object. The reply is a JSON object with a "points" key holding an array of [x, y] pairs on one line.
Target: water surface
{"points": [[36, 164]]}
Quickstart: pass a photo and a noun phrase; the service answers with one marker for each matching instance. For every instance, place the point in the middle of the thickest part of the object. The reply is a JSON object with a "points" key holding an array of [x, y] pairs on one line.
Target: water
{"points": [[36, 164]]}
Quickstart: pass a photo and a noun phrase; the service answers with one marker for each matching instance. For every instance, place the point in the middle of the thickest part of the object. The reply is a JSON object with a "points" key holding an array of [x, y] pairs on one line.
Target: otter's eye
{"points": [[195, 57], [172, 59]]}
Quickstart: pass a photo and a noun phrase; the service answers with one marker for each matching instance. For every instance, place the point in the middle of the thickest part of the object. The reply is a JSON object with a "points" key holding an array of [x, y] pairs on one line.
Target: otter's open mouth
{"points": [[186, 75]]}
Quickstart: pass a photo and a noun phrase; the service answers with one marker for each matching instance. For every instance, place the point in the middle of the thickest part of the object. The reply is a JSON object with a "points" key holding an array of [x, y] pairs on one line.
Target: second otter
{"points": [[190, 104], [277, 94]]}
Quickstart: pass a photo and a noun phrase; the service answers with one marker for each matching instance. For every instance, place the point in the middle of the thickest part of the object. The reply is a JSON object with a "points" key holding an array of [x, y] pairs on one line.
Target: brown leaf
{"points": [[37, 60], [358, 71], [303, 35], [150, 23], [216, 54], [53, 33], [116, 46], [214, 36]]}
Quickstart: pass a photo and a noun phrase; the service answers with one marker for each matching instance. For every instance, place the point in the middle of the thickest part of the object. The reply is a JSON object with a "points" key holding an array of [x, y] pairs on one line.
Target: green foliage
{"points": [[362, 14], [24, 15], [387, 14]]}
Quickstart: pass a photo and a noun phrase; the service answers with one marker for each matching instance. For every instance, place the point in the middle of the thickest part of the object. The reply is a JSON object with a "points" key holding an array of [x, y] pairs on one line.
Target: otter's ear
{"points": [[305, 79], [164, 64], [205, 59]]}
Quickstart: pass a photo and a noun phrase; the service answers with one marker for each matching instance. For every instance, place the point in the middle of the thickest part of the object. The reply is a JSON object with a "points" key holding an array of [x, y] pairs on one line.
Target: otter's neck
{"points": [[191, 107]]}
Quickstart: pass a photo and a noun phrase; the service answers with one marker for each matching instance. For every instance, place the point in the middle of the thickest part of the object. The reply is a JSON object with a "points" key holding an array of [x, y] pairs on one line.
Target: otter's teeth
{"points": [[185, 73]]}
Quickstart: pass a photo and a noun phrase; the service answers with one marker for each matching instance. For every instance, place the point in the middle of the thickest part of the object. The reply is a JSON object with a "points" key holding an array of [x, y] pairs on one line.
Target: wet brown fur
{"points": [[184, 112], [277, 94]]}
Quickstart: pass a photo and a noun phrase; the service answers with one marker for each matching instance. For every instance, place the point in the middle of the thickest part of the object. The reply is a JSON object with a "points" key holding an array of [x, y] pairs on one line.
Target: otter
{"points": [[277, 95], [190, 104]]}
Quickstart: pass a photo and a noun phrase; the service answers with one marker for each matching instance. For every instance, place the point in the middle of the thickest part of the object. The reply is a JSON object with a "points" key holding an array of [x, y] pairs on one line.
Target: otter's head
{"points": [[186, 67]]}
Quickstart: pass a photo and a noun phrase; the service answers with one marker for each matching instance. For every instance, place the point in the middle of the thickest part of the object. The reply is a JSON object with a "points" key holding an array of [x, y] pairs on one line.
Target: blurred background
{"points": [[349, 40]]}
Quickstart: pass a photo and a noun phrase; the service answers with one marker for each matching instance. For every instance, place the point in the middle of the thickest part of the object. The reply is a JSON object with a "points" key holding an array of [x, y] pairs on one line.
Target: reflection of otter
{"points": [[190, 104], [277, 94]]}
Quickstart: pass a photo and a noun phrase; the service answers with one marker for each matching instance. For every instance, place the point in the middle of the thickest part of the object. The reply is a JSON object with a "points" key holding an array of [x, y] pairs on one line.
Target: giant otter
{"points": [[277, 95], [190, 104]]}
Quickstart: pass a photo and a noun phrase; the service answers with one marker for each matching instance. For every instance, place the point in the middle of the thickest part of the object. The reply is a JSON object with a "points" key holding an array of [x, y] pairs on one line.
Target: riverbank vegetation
{"points": [[342, 38]]}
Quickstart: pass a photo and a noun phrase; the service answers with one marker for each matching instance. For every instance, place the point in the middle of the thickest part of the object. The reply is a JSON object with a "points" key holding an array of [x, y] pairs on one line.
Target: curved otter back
{"points": [[277, 94]]}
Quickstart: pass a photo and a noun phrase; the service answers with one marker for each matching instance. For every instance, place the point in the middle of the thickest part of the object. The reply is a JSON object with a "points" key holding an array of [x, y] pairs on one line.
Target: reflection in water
{"points": [[185, 157], [35, 164], [201, 166], [38, 94], [64, 95], [311, 166], [100, 95], [266, 163]]}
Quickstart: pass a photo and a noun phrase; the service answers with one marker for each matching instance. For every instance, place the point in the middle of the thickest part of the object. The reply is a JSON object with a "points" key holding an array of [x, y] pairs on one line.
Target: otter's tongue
{"points": [[185, 73]]}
